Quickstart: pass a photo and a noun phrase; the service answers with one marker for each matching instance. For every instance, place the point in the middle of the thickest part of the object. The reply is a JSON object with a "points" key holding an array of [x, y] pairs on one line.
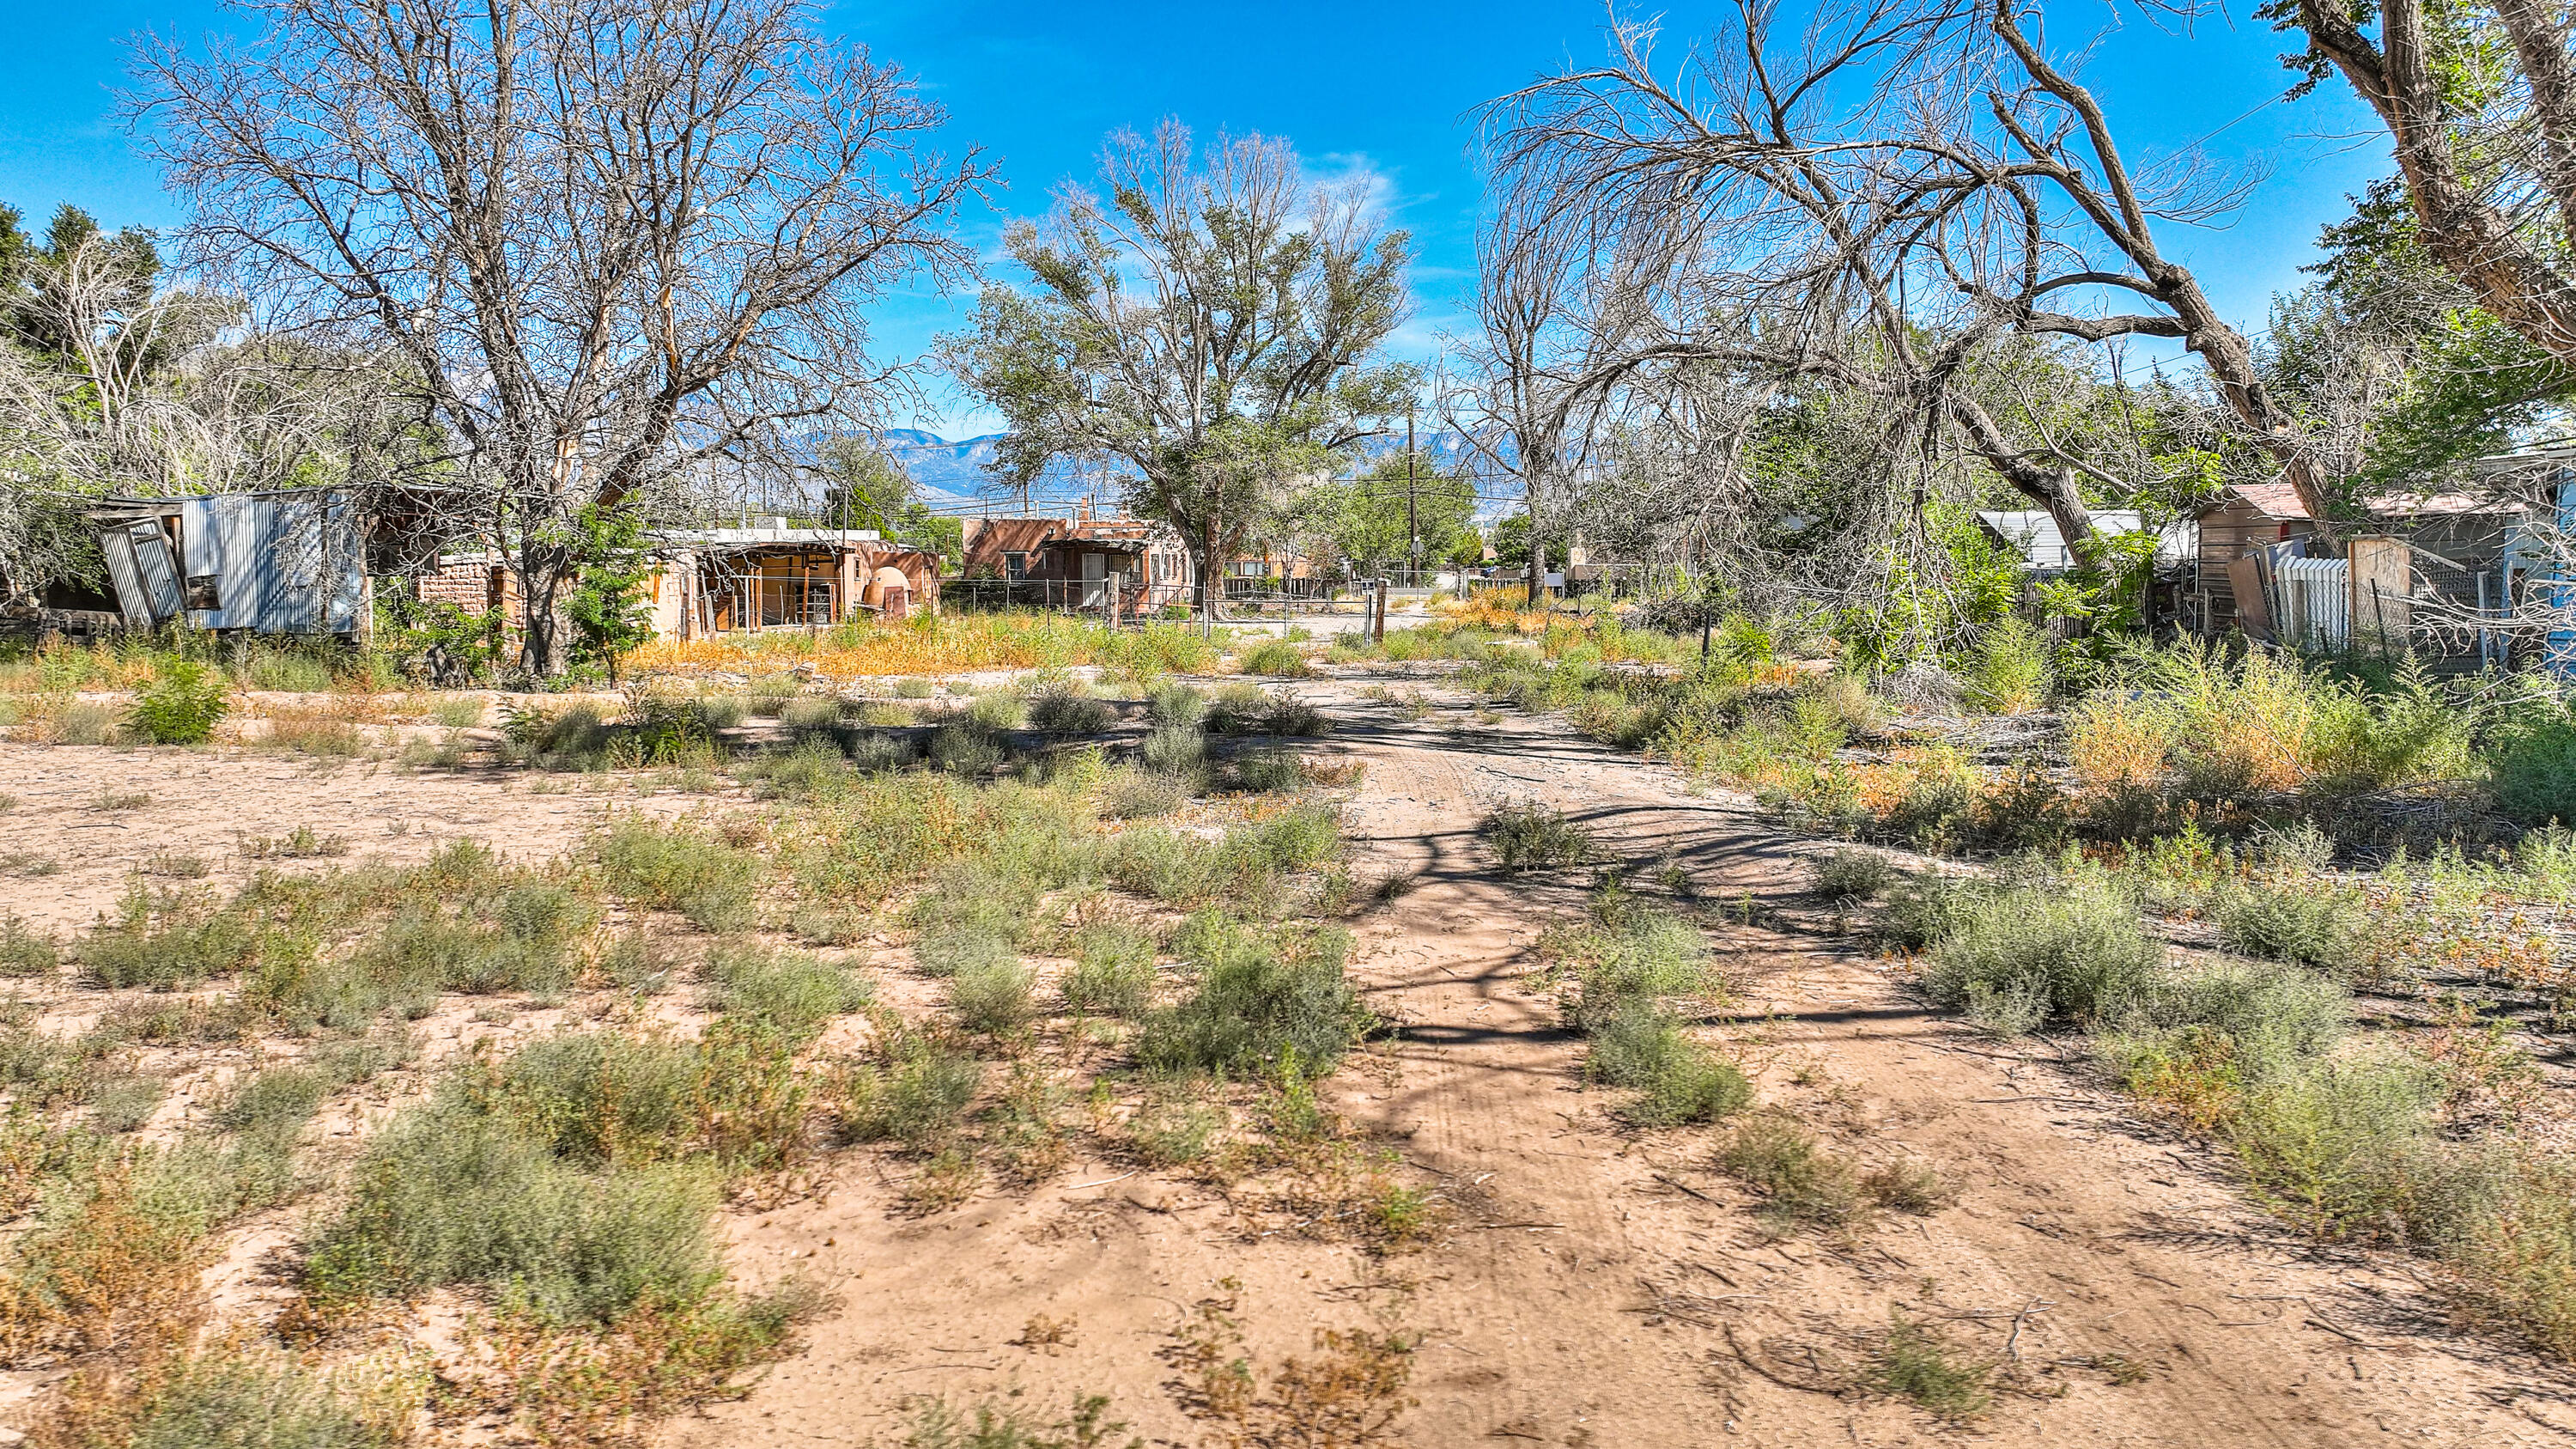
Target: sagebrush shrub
{"points": [[1113, 971], [448, 1196], [1526, 835], [1063, 709], [1256, 999], [675, 868], [2310, 923], [793, 991], [2025, 956], [1175, 703], [1853, 875]]}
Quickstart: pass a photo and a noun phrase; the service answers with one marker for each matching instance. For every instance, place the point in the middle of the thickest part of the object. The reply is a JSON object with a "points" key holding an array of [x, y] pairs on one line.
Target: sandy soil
{"points": [[69, 825], [1592, 1286], [1595, 1287]]}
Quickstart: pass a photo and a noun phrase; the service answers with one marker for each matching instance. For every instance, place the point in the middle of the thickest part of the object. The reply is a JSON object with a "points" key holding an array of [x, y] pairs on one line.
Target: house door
{"points": [[1095, 571]]}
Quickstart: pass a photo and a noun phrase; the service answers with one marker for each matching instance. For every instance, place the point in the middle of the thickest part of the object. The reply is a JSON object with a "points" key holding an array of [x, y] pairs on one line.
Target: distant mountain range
{"points": [[961, 476]]}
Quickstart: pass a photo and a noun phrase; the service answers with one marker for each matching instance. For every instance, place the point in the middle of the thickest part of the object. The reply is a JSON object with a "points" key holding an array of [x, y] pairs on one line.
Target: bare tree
{"points": [[611, 241], [2481, 101], [1531, 412], [1213, 324], [119, 383], [1874, 201]]}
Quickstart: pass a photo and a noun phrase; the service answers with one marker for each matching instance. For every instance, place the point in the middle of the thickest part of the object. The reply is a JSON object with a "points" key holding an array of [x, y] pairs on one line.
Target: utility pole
{"points": [[1412, 527]]}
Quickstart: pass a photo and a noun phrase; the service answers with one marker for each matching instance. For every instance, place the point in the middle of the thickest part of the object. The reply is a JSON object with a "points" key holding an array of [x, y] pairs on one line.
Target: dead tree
{"points": [[613, 243], [1872, 203]]}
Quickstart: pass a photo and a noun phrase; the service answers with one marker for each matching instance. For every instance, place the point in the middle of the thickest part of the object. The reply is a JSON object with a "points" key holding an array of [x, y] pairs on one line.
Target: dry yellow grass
{"points": [[939, 644]]}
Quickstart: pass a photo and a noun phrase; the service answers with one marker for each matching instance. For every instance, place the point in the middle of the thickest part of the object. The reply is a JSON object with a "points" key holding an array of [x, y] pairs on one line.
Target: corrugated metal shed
{"points": [[289, 562]]}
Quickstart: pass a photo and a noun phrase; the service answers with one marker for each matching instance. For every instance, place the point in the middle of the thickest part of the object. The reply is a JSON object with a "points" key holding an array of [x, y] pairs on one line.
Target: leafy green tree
{"points": [[1215, 328], [1512, 541], [1366, 518], [915, 526], [606, 604], [2395, 361], [862, 486]]}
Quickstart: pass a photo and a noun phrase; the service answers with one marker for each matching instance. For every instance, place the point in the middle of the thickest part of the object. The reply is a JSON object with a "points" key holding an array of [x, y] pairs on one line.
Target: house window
{"points": [[1016, 565]]}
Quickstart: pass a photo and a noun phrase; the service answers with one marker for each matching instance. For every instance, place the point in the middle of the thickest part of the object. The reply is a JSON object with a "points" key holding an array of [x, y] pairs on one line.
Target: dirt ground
{"points": [[1591, 1286], [77, 834], [1599, 1288]]}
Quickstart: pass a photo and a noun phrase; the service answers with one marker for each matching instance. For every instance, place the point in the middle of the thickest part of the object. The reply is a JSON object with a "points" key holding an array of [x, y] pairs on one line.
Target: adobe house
{"points": [[1116, 564], [723, 580], [705, 582]]}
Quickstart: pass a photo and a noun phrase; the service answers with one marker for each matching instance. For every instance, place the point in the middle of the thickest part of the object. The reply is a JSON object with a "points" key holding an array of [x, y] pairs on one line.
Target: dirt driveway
{"points": [[1596, 1287]]}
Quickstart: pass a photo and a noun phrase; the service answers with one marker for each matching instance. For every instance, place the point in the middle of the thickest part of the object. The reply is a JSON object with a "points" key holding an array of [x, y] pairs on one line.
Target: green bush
{"points": [[26, 951], [997, 709], [1678, 1080], [2021, 957], [1629, 959], [1801, 1184], [447, 1196], [2535, 772], [1918, 1363], [1526, 835], [1854, 875], [1142, 794], [790, 990], [1255, 999], [249, 1399], [285, 669], [2256, 1021], [125, 1104], [1277, 658], [1265, 771], [596, 1098], [674, 868], [166, 941], [1113, 971], [1174, 750], [1175, 703], [1246, 709], [809, 713], [181, 706], [2008, 670], [1064, 710], [920, 1099], [508, 935], [2310, 923], [2345, 1147], [967, 747], [995, 997]]}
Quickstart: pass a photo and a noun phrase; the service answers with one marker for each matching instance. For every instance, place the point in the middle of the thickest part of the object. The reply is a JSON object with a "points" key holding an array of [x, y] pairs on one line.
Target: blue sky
{"points": [[1376, 87]]}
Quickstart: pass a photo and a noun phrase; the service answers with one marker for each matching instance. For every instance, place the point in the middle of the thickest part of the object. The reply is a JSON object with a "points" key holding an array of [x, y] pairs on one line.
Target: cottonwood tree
{"points": [[1872, 202], [1214, 323], [2481, 103], [622, 246], [1403, 507]]}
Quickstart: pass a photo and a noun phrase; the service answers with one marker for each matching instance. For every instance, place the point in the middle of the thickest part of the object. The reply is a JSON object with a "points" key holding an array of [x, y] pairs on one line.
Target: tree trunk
{"points": [[2470, 237], [2052, 488], [545, 635]]}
